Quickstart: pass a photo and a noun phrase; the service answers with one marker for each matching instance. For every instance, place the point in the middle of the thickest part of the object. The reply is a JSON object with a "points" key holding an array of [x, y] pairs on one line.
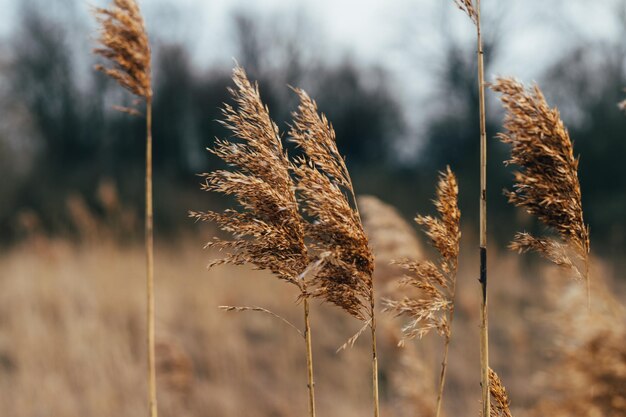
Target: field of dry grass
{"points": [[72, 339]]}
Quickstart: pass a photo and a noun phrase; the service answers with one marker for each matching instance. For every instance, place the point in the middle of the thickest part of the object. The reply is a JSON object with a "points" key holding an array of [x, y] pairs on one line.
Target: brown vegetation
{"points": [[125, 44], [432, 308], [547, 184]]}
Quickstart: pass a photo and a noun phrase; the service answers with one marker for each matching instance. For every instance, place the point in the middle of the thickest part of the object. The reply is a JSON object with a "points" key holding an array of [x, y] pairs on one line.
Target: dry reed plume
{"points": [[499, 397], [411, 382], [125, 44], [468, 7], [546, 185], [269, 231], [336, 232], [433, 306], [588, 370], [472, 9], [390, 237]]}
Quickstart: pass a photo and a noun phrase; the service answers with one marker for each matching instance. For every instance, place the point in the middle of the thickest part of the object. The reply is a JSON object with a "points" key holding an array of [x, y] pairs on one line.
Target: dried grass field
{"points": [[290, 293], [72, 341]]}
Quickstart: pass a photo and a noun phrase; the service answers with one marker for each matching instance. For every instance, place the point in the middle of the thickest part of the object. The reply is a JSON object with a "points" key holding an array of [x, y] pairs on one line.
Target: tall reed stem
{"points": [[444, 361], [152, 396], [442, 376], [309, 358], [484, 330], [374, 358]]}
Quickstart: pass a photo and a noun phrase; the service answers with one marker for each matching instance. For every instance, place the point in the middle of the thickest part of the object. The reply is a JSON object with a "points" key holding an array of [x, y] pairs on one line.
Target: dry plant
{"points": [[390, 237], [269, 231], [499, 398], [336, 232], [124, 42], [622, 105], [546, 185], [588, 370], [472, 9], [467, 6], [433, 306], [412, 395]]}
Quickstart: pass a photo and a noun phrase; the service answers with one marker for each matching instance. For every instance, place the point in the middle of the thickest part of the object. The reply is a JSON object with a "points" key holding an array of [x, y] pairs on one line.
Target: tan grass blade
{"points": [[240, 309]]}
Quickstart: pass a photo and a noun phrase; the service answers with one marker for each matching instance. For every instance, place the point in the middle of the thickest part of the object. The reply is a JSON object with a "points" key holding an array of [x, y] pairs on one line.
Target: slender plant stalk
{"points": [[152, 397], [125, 45], [373, 318], [323, 183], [374, 358], [484, 330], [269, 231], [309, 358], [433, 308], [444, 361]]}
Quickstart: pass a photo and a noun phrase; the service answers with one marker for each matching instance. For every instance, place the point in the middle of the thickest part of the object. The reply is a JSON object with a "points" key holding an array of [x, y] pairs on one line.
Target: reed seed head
{"points": [[546, 184], [390, 236], [268, 231], [587, 371], [499, 397], [124, 42], [435, 282], [468, 7], [323, 183]]}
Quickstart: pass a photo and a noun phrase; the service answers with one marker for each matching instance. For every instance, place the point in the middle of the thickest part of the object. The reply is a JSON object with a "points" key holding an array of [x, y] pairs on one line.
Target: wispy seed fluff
{"points": [[546, 184]]}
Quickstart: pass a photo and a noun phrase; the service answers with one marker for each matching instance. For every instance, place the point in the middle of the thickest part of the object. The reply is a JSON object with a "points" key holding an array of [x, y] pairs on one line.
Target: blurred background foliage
{"points": [[64, 153]]}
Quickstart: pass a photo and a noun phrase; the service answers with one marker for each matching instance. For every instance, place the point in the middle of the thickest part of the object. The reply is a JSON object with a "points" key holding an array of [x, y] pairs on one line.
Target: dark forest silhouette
{"points": [[60, 138]]}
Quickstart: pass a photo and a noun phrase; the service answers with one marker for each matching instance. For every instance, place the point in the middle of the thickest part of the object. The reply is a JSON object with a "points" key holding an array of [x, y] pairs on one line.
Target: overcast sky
{"points": [[372, 29], [399, 35]]}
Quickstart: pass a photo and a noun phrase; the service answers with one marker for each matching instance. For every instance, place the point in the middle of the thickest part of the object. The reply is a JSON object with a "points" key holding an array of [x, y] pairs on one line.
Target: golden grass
{"points": [[124, 43], [472, 9], [499, 397], [432, 308], [546, 184], [269, 231], [588, 371], [71, 340], [326, 195]]}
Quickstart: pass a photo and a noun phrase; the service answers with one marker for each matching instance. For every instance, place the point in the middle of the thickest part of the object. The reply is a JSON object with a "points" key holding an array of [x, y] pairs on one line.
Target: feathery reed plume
{"points": [[345, 278], [588, 369], [125, 44], [411, 383], [547, 184], [468, 8], [269, 231], [472, 9], [499, 397], [433, 307], [390, 237]]}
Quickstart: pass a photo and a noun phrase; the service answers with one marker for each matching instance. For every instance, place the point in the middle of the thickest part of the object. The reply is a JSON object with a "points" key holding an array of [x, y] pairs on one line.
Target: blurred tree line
{"points": [[60, 141]]}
